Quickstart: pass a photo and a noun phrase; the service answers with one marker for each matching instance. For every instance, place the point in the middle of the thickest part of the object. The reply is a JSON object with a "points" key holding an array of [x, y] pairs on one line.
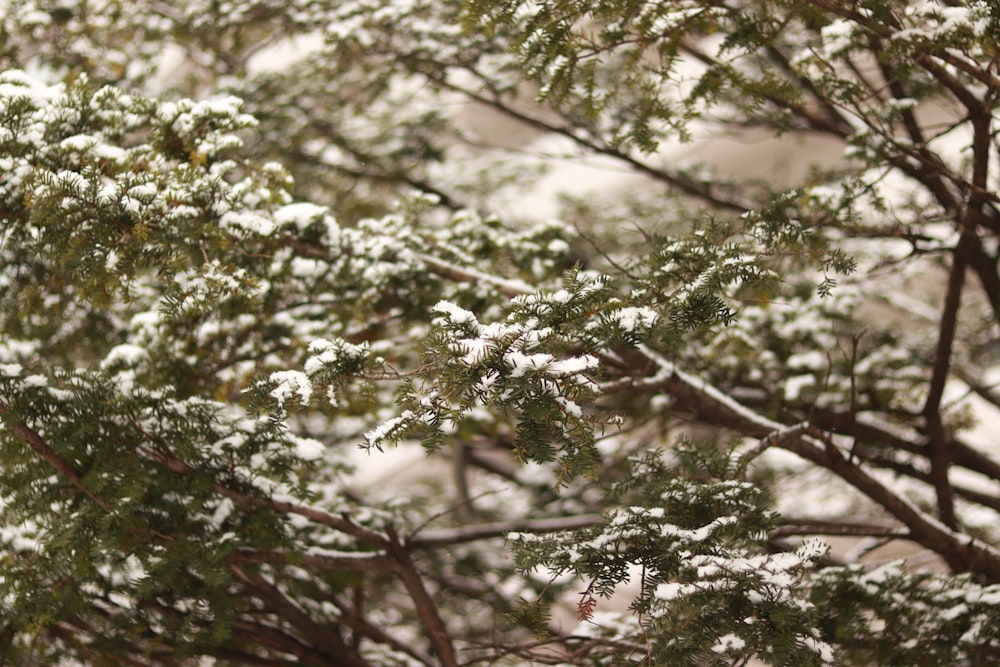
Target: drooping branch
{"points": [[42, 448], [831, 121], [773, 439], [249, 633], [342, 523], [394, 177], [679, 182], [161, 454], [960, 551]]}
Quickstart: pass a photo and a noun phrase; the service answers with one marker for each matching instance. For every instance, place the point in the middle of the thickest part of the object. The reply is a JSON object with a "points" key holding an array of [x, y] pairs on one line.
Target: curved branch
{"points": [[960, 551], [321, 637], [162, 455], [364, 627], [42, 448], [681, 183], [773, 439]]}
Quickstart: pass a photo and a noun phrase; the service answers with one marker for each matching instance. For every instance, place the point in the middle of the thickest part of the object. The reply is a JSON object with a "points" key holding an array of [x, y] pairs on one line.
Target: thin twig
{"points": [[434, 538]]}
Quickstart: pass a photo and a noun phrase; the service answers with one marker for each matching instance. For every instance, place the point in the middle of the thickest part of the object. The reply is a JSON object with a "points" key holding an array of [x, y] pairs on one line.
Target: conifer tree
{"points": [[234, 282]]}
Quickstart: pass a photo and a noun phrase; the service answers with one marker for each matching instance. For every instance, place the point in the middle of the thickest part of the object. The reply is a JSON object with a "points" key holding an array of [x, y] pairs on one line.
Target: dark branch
{"points": [[802, 526], [42, 448], [434, 538]]}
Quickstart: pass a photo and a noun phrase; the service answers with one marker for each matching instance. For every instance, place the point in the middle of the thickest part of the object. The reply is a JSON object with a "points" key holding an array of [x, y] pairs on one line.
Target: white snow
{"points": [[380, 433], [730, 642], [300, 214], [633, 319], [455, 313], [222, 512], [837, 37], [289, 384], [327, 353], [303, 267], [811, 360], [35, 381], [78, 142], [125, 354], [11, 370], [795, 384], [307, 449], [247, 221]]}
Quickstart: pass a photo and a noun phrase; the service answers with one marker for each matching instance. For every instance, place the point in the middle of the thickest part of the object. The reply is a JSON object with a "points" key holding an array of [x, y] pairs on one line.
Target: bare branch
{"points": [[363, 626], [681, 183], [427, 609], [340, 562], [507, 287], [434, 538], [986, 269], [323, 638], [773, 439], [939, 454], [803, 526]]}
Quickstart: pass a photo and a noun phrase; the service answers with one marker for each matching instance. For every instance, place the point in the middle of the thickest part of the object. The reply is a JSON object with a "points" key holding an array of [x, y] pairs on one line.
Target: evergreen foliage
{"points": [[236, 284]]}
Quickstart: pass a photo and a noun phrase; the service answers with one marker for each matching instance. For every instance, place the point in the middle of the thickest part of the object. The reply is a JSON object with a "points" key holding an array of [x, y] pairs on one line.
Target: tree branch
{"points": [[682, 184], [42, 448], [961, 453], [937, 444], [506, 286], [445, 199], [960, 551], [321, 637], [362, 626], [986, 269], [427, 609], [773, 439], [340, 562], [803, 526], [435, 538], [161, 454]]}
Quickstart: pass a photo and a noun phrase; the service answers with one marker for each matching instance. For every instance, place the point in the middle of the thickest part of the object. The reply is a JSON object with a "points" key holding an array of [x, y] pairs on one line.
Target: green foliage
{"points": [[888, 615], [535, 365], [227, 269], [693, 540]]}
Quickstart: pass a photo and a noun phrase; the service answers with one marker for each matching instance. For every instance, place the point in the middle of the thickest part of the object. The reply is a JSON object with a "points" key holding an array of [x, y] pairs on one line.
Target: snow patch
{"points": [[730, 642], [289, 384]]}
